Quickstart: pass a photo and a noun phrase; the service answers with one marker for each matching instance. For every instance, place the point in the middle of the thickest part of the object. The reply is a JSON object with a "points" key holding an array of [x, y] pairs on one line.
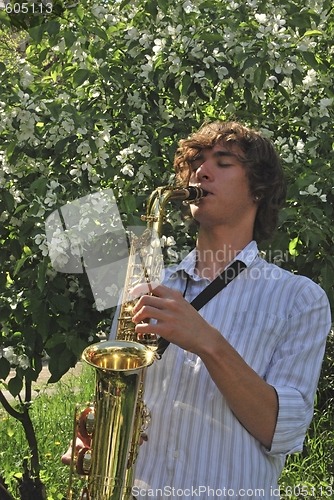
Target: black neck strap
{"points": [[220, 282]]}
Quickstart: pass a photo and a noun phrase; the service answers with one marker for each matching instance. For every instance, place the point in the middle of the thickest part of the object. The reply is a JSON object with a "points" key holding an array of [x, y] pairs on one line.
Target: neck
{"points": [[216, 249]]}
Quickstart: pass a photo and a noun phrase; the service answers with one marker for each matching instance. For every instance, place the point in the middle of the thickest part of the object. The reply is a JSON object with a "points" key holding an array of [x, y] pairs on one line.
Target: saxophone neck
{"points": [[157, 202]]}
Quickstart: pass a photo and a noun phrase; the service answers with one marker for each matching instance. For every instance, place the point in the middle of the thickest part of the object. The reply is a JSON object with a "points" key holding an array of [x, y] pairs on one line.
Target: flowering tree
{"points": [[99, 99]]}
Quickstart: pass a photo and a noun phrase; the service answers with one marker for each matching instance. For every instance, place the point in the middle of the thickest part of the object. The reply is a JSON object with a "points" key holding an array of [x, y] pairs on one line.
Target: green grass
{"points": [[310, 474], [52, 413], [307, 476]]}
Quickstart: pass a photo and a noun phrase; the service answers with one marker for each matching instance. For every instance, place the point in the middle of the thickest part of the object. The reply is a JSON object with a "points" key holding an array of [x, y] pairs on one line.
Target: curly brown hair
{"points": [[259, 157]]}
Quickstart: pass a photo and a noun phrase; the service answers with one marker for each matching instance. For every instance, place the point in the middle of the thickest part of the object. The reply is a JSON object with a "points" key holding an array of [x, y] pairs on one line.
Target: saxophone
{"points": [[115, 421]]}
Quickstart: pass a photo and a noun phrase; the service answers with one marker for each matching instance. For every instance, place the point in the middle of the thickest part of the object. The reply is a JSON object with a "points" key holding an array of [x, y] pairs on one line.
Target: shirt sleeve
{"points": [[295, 368]]}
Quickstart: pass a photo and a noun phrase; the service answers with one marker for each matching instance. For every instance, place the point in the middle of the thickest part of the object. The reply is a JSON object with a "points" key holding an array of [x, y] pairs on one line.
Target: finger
{"points": [[153, 288], [144, 328], [148, 300], [148, 312], [66, 458], [143, 289]]}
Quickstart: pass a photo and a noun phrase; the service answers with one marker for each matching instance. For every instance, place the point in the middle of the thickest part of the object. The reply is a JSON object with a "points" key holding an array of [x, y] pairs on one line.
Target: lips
{"points": [[206, 193]]}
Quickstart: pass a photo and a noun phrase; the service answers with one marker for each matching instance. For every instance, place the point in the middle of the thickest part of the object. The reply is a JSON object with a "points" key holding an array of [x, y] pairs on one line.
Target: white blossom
{"points": [[208, 61], [23, 361], [314, 191], [189, 7], [9, 354], [198, 77], [222, 72], [175, 63], [99, 11], [128, 170], [131, 33], [261, 18], [158, 45], [324, 104], [26, 76]]}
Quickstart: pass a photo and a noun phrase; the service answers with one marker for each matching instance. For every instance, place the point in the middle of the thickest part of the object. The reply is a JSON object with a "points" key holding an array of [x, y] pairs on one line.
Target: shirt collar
{"points": [[247, 255]]}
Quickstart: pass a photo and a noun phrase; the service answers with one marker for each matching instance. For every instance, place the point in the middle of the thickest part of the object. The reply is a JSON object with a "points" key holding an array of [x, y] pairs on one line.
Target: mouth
{"points": [[205, 191], [205, 195]]}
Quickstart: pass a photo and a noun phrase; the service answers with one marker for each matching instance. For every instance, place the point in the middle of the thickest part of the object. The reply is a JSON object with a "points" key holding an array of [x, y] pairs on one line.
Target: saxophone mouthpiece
{"points": [[193, 194]]}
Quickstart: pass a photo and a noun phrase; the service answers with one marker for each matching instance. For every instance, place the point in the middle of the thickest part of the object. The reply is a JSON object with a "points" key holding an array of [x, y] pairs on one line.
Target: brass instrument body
{"points": [[120, 415], [119, 367]]}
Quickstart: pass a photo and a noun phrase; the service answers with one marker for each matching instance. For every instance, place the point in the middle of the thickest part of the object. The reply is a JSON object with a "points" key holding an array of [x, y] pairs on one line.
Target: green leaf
{"points": [[41, 316], [36, 33], [4, 368], [284, 92], [163, 4], [41, 274], [76, 345], [60, 362], [54, 341], [8, 199], [99, 32], [327, 275], [313, 33], [104, 71], [69, 38], [130, 203], [311, 60], [52, 27], [80, 76], [15, 385], [60, 303], [293, 246], [54, 109], [247, 96], [39, 186], [80, 11], [260, 76], [4, 18], [151, 8], [60, 145], [20, 263], [186, 82], [250, 63]]}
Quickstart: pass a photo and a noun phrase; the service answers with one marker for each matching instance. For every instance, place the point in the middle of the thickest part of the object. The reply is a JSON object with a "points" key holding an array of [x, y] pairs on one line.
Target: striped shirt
{"points": [[278, 322]]}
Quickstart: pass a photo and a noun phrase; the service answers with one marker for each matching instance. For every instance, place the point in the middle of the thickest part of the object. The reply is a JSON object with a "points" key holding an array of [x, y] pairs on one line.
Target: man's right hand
{"points": [[79, 444]]}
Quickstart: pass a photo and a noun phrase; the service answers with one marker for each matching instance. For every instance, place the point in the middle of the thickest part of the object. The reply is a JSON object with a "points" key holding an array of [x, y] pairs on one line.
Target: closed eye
{"points": [[224, 165]]}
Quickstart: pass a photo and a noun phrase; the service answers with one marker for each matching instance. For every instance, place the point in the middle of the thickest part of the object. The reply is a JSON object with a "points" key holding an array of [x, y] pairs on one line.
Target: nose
{"points": [[204, 171]]}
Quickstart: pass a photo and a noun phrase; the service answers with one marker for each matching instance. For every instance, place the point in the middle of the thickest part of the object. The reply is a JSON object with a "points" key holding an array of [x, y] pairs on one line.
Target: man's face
{"points": [[229, 202]]}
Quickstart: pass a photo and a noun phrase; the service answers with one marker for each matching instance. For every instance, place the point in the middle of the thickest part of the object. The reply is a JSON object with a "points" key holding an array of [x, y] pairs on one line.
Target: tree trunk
{"points": [[4, 495], [30, 487]]}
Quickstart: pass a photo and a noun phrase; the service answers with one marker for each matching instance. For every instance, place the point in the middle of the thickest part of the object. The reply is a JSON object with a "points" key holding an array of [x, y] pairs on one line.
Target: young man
{"points": [[234, 391]]}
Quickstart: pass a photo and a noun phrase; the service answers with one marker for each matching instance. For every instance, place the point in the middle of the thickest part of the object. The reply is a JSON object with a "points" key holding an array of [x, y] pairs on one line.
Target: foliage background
{"points": [[97, 94]]}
